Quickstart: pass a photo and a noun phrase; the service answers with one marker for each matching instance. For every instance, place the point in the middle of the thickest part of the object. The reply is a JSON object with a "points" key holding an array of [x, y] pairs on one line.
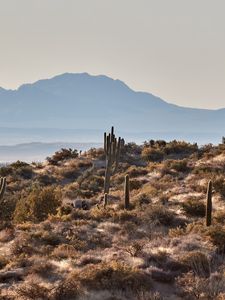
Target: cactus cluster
{"points": [[112, 148], [2, 186]]}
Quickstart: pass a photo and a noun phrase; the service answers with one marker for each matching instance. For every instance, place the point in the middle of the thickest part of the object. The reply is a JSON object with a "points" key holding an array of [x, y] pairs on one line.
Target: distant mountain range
{"points": [[38, 151], [80, 107]]}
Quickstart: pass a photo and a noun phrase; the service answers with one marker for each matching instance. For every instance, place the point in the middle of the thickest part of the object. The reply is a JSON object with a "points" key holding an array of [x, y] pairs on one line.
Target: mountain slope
{"points": [[82, 101]]}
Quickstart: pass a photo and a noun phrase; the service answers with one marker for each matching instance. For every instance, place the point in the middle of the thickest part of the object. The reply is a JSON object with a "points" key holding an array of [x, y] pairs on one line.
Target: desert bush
{"points": [[68, 288], [3, 262], [45, 179], [151, 154], [32, 290], [63, 154], [178, 147], [136, 171], [198, 262], [6, 171], [135, 249], [219, 185], [37, 205], [19, 164], [113, 276], [135, 184], [142, 199], [158, 214], [65, 251], [177, 165], [195, 287], [26, 172], [193, 207], [216, 235]]}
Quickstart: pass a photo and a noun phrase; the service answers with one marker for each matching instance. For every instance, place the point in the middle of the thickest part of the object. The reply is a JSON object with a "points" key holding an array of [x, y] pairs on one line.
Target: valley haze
{"points": [[78, 108]]}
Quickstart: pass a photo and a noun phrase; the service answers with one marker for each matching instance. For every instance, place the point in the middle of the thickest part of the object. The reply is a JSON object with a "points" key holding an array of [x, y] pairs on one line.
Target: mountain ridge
{"points": [[80, 100]]}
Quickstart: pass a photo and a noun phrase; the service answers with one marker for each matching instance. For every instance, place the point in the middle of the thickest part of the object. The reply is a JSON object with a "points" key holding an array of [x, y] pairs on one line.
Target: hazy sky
{"points": [[172, 48]]}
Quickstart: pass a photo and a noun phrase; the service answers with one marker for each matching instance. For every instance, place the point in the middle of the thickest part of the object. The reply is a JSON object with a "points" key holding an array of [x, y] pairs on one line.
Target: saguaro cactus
{"points": [[112, 148], [2, 186], [209, 204], [105, 200], [127, 192]]}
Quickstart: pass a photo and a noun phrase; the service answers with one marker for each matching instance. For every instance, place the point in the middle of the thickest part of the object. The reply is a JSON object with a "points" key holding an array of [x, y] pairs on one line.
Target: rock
{"points": [[81, 204]]}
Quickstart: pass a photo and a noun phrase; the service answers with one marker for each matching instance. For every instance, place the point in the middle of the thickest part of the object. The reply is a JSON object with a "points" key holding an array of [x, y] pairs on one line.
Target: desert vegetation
{"points": [[125, 221]]}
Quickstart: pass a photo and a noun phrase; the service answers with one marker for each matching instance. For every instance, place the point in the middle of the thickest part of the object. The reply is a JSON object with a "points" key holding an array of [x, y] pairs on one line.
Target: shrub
{"points": [[216, 235], [194, 207], [177, 165], [113, 276], [151, 154], [158, 214], [37, 205], [142, 199], [62, 155], [31, 291], [219, 185], [136, 171], [198, 262]]}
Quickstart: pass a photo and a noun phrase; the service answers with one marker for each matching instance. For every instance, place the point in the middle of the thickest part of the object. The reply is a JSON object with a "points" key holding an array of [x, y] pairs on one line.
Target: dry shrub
{"points": [[198, 262], [135, 249], [68, 289], [32, 290], [3, 261], [216, 235], [6, 235], [219, 216], [195, 287], [219, 185], [65, 251], [136, 171], [22, 245], [113, 276], [136, 184], [142, 199], [63, 154], [37, 205], [42, 268], [152, 154], [194, 207], [158, 214]]}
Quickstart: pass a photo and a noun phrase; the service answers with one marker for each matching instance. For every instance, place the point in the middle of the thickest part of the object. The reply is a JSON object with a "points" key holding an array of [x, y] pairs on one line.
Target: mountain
{"points": [[38, 151], [67, 103]]}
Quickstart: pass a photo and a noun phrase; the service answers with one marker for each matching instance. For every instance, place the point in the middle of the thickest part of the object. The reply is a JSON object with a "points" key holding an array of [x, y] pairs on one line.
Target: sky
{"points": [[174, 49]]}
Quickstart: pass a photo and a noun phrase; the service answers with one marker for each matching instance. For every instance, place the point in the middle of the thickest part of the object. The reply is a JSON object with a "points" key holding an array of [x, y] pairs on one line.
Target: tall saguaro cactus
{"points": [[2, 186], [127, 192], [209, 204], [112, 148]]}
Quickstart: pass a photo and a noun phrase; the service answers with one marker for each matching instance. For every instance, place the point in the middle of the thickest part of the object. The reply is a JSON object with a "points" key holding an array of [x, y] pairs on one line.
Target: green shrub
{"points": [[37, 205]]}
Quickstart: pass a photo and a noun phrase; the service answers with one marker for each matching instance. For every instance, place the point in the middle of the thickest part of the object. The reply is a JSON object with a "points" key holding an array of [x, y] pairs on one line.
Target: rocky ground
{"points": [[158, 249]]}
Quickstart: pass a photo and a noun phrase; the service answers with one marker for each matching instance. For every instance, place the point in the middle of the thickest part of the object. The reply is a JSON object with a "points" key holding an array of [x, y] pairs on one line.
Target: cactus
{"points": [[2, 186], [209, 204], [127, 192], [112, 148], [105, 201]]}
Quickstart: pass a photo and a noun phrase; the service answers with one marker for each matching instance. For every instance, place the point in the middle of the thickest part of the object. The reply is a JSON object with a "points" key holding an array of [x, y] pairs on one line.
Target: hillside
{"points": [[58, 240], [84, 102]]}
